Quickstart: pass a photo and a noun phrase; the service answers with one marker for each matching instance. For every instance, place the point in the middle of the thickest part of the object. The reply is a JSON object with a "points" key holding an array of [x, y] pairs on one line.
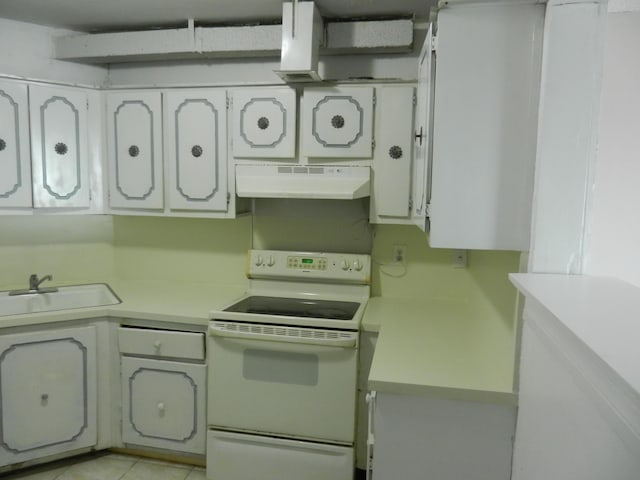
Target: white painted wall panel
{"points": [[570, 90], [615, 229]]}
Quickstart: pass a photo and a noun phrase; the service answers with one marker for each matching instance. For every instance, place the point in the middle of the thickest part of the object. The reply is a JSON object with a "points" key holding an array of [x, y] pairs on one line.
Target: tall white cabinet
{"points": [[476, 193], [47, 393]]}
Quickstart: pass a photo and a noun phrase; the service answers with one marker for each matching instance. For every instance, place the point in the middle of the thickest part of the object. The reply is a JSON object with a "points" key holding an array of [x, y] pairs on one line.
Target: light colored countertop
{"points": [[602, 313], [435, 348], [178, 303]]}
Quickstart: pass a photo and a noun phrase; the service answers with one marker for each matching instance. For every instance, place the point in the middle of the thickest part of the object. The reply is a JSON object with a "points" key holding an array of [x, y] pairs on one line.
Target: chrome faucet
{"points": [[34, 282]]}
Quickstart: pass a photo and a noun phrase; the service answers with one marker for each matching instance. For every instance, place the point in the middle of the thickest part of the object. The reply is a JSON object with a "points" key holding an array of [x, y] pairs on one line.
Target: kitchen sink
{"points": [[68, 297]]}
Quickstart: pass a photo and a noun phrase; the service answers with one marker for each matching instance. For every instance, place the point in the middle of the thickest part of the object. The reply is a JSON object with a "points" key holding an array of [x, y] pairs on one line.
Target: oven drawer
{"points": [[161, 343], [238, 456]]}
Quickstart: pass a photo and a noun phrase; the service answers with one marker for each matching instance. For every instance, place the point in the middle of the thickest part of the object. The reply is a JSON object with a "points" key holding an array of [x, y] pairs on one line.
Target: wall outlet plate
{"points": [[459, 259], [400, 254]]}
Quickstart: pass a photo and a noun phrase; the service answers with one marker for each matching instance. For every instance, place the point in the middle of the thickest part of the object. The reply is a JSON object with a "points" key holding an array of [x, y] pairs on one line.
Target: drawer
{"points": [[161, 343]]}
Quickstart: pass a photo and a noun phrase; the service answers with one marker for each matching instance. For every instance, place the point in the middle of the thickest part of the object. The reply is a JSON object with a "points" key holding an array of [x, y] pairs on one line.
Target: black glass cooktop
{"points": [[296, 307]]}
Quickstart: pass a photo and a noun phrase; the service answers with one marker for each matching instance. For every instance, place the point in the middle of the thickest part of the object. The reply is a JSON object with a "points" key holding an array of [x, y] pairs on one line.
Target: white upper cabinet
{"points": [[59, 151], [421, 175], [15, 159], [337, 122], [196, 149], [390, 199], [485, 123], [134, 135], [264, 123]]}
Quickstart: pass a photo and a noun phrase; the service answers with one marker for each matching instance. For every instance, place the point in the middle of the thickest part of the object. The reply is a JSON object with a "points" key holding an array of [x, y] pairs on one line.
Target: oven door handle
{"points": [[349, 341]]}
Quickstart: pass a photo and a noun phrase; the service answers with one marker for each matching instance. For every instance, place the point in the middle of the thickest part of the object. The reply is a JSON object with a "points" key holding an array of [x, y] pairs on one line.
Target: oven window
{"points": [[280, 367]]}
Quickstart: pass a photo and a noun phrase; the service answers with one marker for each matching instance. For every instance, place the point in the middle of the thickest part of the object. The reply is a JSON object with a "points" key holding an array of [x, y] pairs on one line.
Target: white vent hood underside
{"points": [[293, 181]]}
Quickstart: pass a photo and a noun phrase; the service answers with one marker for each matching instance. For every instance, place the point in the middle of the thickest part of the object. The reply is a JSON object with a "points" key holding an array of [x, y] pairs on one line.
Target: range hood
{"points": [[293, 181], [302, 33]]}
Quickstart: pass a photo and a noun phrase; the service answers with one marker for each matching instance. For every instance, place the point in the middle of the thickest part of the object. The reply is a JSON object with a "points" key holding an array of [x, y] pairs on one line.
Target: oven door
{"points": [[283, 381]]}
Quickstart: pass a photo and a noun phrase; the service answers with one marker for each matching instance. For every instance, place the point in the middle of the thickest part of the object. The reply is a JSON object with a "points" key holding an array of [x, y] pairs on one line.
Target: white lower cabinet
{"points": [[163, 394], [47, 393], [424, 437], [163, 404]]}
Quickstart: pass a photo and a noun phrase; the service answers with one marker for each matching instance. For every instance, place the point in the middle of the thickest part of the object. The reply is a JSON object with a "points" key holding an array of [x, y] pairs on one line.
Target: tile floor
{"points": [[109, 466]]}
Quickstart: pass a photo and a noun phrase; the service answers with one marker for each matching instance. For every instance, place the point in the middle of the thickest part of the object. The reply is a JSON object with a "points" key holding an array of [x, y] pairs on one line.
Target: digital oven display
{"points": [[307, 261]]}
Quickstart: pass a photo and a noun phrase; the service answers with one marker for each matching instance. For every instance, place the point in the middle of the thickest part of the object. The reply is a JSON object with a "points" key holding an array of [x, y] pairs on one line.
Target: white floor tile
{"points": [[154, 471], [38, 474], [197, 474], [101, 468]]}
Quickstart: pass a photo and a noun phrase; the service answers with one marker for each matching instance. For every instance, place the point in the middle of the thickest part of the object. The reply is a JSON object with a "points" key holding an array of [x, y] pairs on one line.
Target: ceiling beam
{"points": [[374, 36]]}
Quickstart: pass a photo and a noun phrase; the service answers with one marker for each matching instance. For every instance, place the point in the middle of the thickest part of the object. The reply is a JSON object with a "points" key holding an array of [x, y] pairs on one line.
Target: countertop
{"points": [[602, 313], [425, 348], [435, 348], [179, 303]]}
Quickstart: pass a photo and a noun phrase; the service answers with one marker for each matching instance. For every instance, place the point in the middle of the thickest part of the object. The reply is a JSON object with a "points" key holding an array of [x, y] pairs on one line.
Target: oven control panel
{"points": [[330, 267]]}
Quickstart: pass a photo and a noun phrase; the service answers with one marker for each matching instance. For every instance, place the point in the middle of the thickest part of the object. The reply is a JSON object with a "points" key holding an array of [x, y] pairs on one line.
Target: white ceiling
{"points": [[109, 15]]}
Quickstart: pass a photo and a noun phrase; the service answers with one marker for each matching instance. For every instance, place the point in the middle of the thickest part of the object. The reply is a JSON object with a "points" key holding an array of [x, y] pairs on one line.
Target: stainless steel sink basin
{"points": [[69, 297]]}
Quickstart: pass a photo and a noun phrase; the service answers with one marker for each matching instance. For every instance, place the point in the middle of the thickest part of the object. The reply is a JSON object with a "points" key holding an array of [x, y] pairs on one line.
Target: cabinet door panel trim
{"points": [[193, 384], [255, 101], [60, 148], [339, 121], [216, 183], [152, 175], [3, 145]]}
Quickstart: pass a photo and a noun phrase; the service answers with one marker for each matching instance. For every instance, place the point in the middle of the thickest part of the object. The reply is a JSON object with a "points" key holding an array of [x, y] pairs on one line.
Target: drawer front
{"points": [[161, 343]]}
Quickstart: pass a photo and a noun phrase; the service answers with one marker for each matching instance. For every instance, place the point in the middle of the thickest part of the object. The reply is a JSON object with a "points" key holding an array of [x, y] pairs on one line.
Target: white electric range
{"points": [[283, 369]]}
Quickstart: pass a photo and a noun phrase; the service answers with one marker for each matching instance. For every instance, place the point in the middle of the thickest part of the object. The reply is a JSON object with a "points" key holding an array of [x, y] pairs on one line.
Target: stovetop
{"points": [[296, 307]]}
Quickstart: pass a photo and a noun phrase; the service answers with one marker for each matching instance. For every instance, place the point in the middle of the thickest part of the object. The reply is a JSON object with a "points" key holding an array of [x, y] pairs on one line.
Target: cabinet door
{"points": [[441, 439], [59, 152], [163, 404], [392, 158], [485, 124], [196, 149], [134, 140], [338, 122], [15, 159], [47, 393], [264, 123], [423, 134]]}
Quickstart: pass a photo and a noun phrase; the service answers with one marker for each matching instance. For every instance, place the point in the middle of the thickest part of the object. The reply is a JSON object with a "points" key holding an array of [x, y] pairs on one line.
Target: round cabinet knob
{"points": [[161, 409], [357, 265], [344, 264], [272, 261], [259, 260], [44, 399], [156, 346]]}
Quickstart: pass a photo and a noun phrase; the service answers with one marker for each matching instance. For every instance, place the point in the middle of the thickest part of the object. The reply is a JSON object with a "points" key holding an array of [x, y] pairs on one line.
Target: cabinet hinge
{"points": [[228, 199], [410, 203], [373, 144], [228, 103], [374, 97], [415, 99], [434, 43], [427, 210]]}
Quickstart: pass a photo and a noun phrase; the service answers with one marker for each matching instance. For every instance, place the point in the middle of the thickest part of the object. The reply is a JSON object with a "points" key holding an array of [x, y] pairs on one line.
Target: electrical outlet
{"points": [[400, 254], [459, 259]]}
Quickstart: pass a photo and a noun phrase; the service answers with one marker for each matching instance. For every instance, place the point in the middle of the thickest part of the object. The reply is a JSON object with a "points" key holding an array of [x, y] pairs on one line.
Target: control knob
{"points": [[259, 260], [344, 264], [357, 265], [272, 261]]}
